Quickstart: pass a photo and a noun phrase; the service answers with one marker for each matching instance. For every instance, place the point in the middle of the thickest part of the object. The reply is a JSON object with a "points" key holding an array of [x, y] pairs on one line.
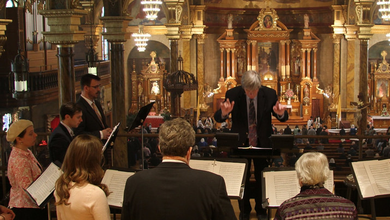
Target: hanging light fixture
{"points": [[19, 68], [384, 8], [151, 8], [140, 38]]}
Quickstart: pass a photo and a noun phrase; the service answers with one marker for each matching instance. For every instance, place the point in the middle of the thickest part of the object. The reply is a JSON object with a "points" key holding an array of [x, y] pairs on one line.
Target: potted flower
{"points": [[288, 95]]}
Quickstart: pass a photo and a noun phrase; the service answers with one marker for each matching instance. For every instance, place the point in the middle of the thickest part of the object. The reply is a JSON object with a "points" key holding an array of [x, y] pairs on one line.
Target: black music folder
{"points": [[111, 139], [141, 116]]}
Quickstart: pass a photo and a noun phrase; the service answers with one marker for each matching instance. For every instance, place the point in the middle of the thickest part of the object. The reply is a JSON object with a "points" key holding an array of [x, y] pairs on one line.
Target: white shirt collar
{"points": [[172, 161], [68, 128], [88, 100]]}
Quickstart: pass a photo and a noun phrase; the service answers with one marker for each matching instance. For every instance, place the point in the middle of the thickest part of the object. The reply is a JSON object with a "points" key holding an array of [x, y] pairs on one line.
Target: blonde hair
{"points": [[81, 165], [312, 168], [176, 137], [251, 80]]}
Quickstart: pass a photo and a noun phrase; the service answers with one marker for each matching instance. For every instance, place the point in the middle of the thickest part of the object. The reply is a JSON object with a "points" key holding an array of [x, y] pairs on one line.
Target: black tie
{"points": [[252, 124]]}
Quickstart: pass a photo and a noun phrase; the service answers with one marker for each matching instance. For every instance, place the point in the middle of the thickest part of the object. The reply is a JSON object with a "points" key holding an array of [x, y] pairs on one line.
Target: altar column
{"points": [[303, 63], [228, 57], [234, 66], [308, 62], [187, 67], [288, 71], [248, 55], [254, 55], [282, 66], [315, 65], [222, 64]]}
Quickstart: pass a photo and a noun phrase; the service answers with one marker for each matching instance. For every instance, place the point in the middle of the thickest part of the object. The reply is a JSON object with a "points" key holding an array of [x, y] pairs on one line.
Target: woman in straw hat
{"points": [[23, 169]]}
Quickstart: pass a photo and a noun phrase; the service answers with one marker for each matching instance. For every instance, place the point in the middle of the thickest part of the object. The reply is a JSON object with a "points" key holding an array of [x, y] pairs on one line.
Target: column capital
{"points": [[116, 28], [221, 49], [64, 25], [200, 38]]}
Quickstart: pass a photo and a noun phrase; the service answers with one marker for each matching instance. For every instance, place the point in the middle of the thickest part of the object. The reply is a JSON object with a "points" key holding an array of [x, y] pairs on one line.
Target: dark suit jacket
{"points": [[58, 143], [91, 123], [266, 99], [174, 191]]}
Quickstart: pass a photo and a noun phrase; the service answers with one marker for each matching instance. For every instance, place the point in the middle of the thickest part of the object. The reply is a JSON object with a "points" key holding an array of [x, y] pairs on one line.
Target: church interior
{"points": [[324, 58]]}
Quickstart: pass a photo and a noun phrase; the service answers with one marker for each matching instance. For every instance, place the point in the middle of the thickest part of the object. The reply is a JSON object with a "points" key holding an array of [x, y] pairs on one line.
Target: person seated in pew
{"points": [[79, 193], [177, 191], [314, 201]]}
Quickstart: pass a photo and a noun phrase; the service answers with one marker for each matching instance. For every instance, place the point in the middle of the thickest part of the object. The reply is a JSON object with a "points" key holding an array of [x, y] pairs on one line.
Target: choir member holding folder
{"points": [[23, 169], [79, 193]]}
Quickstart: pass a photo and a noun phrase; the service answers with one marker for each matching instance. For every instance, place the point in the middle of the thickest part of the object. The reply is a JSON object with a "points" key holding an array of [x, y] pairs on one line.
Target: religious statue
{"points": [[155, 89], [140, 89], [230, 21], [306, 21], [384, 110]]}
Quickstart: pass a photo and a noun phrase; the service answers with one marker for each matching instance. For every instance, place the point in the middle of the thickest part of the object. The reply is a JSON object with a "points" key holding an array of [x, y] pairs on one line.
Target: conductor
{"points": [[251, 106]]}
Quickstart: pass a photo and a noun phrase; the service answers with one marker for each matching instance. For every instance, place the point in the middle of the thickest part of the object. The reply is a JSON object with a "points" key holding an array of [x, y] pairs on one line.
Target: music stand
{"points": [[282, 142], [139, 120]]}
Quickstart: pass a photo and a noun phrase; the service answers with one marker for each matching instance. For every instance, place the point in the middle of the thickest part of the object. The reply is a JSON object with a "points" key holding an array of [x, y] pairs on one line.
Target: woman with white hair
{"points": [[314, 201]]}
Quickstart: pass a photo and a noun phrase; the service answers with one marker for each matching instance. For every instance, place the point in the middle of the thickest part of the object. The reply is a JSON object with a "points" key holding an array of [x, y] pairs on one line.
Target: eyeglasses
{"points": [[96, 87]]}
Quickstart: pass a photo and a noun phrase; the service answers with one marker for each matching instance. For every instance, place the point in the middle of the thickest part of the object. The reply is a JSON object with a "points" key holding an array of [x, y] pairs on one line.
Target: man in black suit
{"points": [[172, 190], [94, 122], [240, 101], [60, 138]]}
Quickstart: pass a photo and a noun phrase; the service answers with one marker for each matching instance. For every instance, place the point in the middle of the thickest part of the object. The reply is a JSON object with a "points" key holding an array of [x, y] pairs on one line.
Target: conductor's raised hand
{"points": [[279, 108], [226, 107]]}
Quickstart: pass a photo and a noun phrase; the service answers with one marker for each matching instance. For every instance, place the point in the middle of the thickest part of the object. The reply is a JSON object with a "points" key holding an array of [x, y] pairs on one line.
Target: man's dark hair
{"points": [[86, 80], [70, 109]]}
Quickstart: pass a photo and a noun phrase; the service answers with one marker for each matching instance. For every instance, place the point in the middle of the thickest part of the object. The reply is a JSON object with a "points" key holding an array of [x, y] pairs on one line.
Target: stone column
{"points": [[336, 67], [174, 54], [64, 31], [350, 83], [200, 66], [228, 58], [116, 35], [186, 54], [363, 82], [66, 74]]}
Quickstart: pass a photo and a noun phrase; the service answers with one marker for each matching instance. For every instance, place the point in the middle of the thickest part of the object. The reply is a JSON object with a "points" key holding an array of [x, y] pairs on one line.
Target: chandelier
{"points": [[151, 8], [140, 39], [384, 8]]}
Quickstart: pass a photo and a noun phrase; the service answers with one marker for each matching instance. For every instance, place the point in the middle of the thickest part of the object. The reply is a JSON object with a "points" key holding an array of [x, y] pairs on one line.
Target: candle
{"points": [[288, 85], [281, 89]]}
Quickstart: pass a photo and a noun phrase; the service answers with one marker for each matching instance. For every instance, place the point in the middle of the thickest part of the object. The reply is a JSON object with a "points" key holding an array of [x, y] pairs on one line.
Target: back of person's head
{"points": [[312, 168], [86, 80], [176, 137], [70, 109], [82, 165], [251, 80]]}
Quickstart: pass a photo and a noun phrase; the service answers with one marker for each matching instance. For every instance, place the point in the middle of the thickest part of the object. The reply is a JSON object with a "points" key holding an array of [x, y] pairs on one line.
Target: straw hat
{"points": [[17, 128]]}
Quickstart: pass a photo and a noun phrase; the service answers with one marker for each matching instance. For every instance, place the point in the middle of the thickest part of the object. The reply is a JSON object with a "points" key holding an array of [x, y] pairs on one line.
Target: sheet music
{"points": [[42, 187], [283, 185], [116, 181], [372, 177], [114, 130], [232, 173]]}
